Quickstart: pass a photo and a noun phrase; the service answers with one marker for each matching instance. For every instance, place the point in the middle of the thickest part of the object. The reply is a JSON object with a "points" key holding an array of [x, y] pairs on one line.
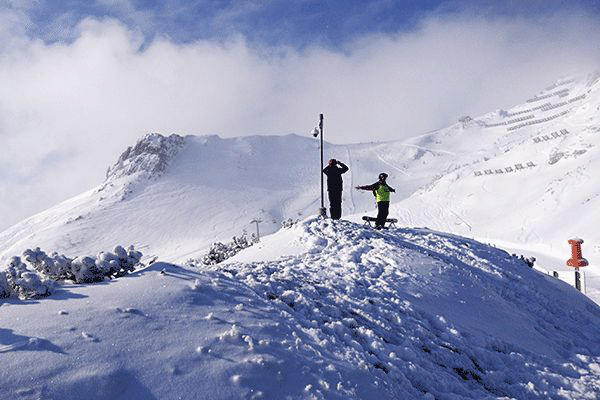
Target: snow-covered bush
{"points": [[56, 266], [132, 260], [23, 283], [288, 223], [84, 270], [27, 284], [4, 291], [529, 261], [108, 263], [118, 263], [219, 252]]}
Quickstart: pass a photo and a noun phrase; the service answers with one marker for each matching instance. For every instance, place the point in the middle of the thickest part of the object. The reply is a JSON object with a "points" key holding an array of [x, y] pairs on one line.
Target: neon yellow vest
{"points": [[382, 193]]}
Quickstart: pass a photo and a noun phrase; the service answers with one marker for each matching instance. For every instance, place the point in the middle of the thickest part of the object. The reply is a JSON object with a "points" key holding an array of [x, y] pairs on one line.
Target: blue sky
{"points": [[297, 23], [82, 80]]}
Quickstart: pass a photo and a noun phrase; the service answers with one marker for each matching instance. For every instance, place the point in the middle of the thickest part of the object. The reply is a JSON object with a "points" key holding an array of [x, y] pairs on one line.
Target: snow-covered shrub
{"points": [[23, 283], [4, 291], [56, 266], [27, 284], [36, 257], [61, 266], [132, 260], [118, 263], [84, 270], [108, 263], [288, 223], [240, 242], [529, 261], [219, 252]]}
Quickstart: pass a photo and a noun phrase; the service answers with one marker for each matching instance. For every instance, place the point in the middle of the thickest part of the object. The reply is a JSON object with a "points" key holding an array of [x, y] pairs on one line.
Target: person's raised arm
{"points": [[367, 187], [343, 167]]}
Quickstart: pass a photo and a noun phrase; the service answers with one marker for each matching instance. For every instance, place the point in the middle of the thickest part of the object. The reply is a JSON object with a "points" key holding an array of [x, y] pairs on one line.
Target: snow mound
{"points": [[358, 314], [431, 313]]}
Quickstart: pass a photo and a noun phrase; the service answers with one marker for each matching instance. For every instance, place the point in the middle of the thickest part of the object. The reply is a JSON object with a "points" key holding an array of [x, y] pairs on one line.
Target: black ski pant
{"points": [[335, 204], [383, 209]]}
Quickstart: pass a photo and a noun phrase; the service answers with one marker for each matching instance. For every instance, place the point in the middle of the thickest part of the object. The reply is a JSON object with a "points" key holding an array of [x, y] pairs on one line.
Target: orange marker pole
{"points": [[576, 260]]}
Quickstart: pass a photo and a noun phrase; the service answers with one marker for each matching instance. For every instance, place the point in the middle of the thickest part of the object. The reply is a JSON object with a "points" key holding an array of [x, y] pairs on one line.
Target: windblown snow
{"points": [[350, 313]]}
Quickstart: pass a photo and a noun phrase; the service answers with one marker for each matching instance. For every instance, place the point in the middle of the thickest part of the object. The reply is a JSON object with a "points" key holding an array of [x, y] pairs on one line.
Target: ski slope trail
{"points": [[527, 183], [323, 310]]}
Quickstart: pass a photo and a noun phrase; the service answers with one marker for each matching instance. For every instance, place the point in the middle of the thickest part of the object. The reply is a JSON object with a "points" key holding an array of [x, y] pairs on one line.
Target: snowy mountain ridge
{"points": [[150, 156], [528, 183], [469, 179]]}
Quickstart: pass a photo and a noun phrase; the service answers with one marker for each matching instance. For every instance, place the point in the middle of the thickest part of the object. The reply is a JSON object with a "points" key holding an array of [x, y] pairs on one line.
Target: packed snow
{"points": [[350, 313]]}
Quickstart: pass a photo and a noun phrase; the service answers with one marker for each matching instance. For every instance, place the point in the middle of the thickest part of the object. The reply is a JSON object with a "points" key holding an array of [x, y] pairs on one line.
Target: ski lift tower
{"points": [[257, 221], [316, 132]]}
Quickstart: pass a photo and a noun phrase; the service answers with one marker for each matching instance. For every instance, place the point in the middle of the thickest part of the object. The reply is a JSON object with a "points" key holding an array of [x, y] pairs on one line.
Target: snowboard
{"points": [[390, 221]]}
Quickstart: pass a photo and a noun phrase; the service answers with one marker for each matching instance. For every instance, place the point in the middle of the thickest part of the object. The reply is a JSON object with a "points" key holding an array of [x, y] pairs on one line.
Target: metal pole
{"points": [[577, 279], [322, 211], [256, 220]]}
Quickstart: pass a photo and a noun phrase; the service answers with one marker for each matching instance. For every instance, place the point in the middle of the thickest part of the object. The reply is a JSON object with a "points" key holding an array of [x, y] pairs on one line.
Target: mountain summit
{"points": [[150, 156], [520, 177]]}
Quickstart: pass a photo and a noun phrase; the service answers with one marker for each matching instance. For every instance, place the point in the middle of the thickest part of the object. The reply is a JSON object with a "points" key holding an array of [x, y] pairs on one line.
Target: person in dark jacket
{"points": [[381, 190], [335, 185]]}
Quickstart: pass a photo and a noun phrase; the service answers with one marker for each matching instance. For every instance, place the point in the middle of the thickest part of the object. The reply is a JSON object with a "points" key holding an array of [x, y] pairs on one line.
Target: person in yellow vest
{"points": [[381, 190]]}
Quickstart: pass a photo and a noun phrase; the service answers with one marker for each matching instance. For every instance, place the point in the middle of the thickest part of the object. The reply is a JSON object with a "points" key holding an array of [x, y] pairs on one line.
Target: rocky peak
{"points": [[149, 157]]}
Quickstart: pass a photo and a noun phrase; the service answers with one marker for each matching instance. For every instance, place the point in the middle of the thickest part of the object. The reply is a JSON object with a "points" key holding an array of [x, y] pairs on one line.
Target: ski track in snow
{"points": [[428, 149], [392, 166], [447, 208]]}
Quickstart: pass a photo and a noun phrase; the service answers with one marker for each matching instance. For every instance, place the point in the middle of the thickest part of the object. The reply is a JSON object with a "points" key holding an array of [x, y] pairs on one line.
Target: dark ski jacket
{"points": [[334, 177], [375, 186]]}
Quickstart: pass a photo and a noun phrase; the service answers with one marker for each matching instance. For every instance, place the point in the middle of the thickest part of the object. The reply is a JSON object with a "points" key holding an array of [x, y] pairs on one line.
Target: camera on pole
{"points": [[318, 130]]}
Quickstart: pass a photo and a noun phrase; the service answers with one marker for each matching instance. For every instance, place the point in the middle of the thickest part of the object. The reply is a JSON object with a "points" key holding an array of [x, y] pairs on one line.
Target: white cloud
{"points": [[68, 109]]}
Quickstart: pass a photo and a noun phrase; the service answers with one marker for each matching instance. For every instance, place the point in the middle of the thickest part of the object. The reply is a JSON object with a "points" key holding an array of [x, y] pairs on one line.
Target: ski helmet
{"points": [[383, 175]]}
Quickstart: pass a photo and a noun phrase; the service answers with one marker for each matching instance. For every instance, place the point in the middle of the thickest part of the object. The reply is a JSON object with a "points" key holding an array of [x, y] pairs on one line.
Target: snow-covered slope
{"points": [[535, 185], [344, 313], [173, 196], [521, 178]]}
